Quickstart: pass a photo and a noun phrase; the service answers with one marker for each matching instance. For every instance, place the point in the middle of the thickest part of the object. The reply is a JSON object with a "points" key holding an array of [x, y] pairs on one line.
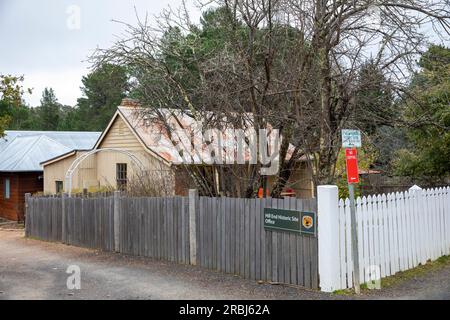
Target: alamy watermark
{"points": [[229, 146], [74, 280], [373, 276], [73, 21]]}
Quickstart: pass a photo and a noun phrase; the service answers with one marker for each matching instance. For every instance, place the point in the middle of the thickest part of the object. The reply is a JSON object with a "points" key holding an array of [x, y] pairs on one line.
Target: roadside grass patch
{"points": [[349, 292], [418, 271], [344, 292], [401, 276]]}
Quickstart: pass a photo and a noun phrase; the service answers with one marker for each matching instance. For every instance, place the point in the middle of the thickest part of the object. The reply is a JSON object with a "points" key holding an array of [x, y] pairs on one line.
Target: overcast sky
{"points": [[43, 41]]}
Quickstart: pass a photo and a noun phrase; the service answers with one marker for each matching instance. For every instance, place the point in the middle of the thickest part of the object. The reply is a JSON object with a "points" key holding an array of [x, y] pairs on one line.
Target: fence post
{"points": [[193, 199], [419, 203], [63, 218], [27, 221], [328, 237], [116, 221]]}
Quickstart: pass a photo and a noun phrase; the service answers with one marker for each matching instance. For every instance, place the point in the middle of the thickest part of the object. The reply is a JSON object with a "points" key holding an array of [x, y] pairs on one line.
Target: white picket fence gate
{"points": [[396, 232]]}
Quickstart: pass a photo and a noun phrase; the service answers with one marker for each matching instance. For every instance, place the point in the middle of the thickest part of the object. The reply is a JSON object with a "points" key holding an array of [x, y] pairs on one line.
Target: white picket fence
{"points": [[396, 232]]}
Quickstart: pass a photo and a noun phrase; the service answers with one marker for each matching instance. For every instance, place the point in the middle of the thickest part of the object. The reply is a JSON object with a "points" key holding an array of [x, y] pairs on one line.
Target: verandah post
{"points": [[193, 199], [328, 237]]}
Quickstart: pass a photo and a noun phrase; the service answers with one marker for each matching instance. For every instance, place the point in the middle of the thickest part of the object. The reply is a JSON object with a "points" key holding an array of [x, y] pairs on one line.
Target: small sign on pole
{"points": [[351, 138], [352, 165]]}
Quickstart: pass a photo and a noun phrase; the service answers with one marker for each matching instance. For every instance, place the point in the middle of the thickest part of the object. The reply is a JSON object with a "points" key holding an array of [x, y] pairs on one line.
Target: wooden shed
{"points": [[20, 170]]}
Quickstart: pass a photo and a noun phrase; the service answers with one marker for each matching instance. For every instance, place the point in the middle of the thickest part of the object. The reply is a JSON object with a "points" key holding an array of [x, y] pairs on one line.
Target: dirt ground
{"points": [[31, 269], [7, 224]]}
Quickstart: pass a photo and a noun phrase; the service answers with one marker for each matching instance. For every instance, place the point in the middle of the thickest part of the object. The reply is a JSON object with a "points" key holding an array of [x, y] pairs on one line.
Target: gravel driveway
{"points": [[31, 269]]}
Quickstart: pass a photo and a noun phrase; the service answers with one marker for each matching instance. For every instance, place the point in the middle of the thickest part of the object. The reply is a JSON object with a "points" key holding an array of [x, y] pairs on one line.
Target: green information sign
{"points": [[290, 220]]}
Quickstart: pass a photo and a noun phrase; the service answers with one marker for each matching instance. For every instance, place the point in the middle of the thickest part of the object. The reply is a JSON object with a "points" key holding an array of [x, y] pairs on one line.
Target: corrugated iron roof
{"points": [[24, 150], [156, 137]]}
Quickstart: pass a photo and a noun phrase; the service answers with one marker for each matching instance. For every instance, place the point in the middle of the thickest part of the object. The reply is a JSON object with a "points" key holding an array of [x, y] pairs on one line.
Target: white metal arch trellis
{"points": [[78, 161]]}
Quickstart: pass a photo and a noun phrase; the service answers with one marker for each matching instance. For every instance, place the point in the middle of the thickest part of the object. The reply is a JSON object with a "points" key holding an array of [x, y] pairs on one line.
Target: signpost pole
{"points": [[351, 139], [355, 254]]}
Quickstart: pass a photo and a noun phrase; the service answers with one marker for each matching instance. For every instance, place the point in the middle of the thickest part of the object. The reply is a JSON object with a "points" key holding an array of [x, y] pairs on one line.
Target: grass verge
{"points": [[402, 276]]}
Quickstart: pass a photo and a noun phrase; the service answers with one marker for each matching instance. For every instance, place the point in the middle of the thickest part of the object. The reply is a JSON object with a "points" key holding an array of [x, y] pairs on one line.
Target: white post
{"points": [[193, 198], [328, 237], [116, 221]]}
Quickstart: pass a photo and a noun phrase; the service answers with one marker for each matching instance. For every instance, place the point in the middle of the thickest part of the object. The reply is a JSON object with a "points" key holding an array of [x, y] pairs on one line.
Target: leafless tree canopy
{"points": [[293, 63], [153, 183]]}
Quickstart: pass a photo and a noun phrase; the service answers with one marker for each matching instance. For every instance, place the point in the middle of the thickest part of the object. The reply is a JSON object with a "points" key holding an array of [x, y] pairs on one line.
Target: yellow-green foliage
{"points": [[11, 92]]}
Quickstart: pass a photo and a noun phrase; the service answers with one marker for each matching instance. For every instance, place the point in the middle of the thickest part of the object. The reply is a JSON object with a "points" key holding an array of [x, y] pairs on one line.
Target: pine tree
{"points": [[49, 111], [103, 90]]}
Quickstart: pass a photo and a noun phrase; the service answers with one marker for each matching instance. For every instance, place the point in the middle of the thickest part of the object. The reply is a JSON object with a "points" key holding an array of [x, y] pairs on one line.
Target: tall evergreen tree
{"points": [[21, 117], [427, 107], [103, 90], [49, 111]]}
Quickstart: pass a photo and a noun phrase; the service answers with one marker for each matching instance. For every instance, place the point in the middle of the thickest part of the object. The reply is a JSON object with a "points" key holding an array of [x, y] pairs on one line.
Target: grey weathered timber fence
{"points": [[223, 234], [43, 218], [155, 227], [231, 238], [89, 222]]}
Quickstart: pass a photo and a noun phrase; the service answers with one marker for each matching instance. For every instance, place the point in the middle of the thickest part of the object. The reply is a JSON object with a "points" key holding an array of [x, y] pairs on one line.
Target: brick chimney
{"points": [[128, 102]]}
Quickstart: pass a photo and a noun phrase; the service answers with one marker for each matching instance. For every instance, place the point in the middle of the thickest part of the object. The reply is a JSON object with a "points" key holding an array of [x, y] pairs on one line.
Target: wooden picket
{"points": [[396, 232]]}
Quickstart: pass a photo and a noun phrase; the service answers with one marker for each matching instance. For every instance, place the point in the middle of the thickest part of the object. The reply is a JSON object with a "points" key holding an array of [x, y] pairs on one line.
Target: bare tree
{"points": [[291, 63], [153, 183]]}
